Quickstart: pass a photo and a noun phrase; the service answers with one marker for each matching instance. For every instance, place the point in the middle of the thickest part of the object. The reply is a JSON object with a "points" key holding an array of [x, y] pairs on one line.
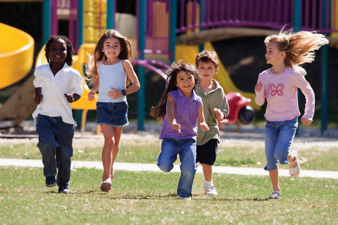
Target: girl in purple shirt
{"points": [[179, 108], [278, 85]]}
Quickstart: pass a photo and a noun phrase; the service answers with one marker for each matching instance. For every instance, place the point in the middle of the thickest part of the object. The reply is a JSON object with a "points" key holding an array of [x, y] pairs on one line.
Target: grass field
{"points": [[150, 198]]}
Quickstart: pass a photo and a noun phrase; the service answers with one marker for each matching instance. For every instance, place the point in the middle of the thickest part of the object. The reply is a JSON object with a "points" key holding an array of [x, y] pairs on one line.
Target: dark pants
{"points": [[55, 144]]}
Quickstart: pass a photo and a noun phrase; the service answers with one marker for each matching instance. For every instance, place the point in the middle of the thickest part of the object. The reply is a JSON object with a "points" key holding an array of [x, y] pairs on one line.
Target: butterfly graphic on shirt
{"points": [[276, 89]]}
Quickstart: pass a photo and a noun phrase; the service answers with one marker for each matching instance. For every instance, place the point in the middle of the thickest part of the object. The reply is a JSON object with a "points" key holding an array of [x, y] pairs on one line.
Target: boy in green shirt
{"points": [[215, 107]]}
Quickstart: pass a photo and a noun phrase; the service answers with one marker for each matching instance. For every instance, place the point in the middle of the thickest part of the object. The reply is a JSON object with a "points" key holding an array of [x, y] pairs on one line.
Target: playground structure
{"points": [[175, 31]]}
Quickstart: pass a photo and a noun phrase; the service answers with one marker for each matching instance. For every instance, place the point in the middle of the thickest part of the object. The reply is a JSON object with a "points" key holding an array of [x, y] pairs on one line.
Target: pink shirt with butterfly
{"points": [[280, 91]]}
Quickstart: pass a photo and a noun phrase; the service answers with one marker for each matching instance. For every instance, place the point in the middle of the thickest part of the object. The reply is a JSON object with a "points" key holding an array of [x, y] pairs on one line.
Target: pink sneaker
{"points": [[106, 185]]}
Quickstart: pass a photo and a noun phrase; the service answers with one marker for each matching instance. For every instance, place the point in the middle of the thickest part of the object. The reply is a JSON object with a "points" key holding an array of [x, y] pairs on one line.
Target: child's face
{"points": [[57, 51], [185, 82], [273, 55], [112, 47], [206, 70]]}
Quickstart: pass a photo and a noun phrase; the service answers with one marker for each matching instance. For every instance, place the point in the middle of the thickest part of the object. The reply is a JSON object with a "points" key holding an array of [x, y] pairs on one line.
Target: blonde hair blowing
{"points": [[299, 47], [126, 53]]}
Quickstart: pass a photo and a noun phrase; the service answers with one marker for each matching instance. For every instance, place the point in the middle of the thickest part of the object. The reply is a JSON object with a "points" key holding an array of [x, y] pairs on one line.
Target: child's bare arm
{"points": [[171, 115], [91, 94], [201, 120], [38, 97]]}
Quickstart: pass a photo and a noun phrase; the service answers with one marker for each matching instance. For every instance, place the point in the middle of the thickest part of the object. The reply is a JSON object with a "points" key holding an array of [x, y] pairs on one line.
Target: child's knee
{"points": [[165, 168]]}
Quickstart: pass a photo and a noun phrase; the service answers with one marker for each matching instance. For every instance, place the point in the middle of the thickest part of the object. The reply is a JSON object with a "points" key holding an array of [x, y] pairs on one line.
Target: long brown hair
{"points": [[160, 110], [299, 47], [126, 53]]}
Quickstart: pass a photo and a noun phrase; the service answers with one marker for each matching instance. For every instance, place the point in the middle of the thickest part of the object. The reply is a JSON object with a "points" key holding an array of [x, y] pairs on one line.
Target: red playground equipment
{"points": [[239, 110]]}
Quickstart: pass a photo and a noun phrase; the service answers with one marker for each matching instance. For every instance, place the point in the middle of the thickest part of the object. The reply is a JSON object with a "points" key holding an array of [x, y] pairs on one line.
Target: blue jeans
{"points": [[55, 145], [186, 148], [278, 138]]}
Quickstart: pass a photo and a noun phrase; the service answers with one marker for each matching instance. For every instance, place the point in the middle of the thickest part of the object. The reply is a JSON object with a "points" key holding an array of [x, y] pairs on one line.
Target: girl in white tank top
{"points": [[110, 69]]}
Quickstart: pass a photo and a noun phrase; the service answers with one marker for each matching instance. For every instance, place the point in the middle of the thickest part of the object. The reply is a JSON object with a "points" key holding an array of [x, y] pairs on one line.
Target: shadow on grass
{"points": [[167, 196]]}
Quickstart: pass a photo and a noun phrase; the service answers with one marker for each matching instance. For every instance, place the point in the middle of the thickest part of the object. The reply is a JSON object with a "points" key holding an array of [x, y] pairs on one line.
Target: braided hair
{"points": [[70, 52]]}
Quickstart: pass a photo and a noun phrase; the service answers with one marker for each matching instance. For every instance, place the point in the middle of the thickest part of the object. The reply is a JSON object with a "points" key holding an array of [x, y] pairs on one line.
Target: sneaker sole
{"points": [[50, 185]]}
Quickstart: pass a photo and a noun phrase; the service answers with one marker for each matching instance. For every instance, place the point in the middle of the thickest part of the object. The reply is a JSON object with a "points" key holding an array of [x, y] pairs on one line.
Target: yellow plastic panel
{"points": [[92, 34], [94, 6], [95, 20], [16, 55]]}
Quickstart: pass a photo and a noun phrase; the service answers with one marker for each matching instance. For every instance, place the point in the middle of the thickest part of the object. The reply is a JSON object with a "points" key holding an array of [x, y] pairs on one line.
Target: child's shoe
{"points": [[210, 189], [183, 198], [50, 181], [64, 190], [106, 185]]}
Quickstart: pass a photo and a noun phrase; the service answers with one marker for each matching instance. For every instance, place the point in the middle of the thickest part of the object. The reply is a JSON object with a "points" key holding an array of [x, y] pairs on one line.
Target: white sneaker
{"points": [[210, 189]]}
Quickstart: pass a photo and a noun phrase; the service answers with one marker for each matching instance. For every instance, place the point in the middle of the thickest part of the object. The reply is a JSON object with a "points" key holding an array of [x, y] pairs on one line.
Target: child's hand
{"points": [[69, 98], [219, 114], [306, 121], [114, 93], [176, 126], [91, 96], [204, 126], [259, 86], [38, 99]]}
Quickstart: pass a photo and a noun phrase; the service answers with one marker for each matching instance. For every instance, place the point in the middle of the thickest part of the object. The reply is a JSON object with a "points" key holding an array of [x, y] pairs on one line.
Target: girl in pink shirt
{"points": [[285, 52]]}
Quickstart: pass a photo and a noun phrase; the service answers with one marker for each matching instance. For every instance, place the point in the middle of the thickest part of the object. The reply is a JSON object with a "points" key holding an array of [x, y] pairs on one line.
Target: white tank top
{"points": [[111, 76]]}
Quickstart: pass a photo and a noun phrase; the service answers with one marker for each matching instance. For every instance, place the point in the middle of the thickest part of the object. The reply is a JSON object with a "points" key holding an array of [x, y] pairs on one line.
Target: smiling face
{"points": [[206, 70], [112, 47], [273, 55], [57, 51], [185, 82]]}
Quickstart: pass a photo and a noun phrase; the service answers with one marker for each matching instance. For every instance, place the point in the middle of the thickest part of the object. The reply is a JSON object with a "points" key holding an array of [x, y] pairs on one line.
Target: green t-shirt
{"points": [[214, 99]]}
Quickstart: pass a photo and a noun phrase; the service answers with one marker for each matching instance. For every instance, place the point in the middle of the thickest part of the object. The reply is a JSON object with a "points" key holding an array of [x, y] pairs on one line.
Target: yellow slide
{"points": [[16, 55], [188, 54]]}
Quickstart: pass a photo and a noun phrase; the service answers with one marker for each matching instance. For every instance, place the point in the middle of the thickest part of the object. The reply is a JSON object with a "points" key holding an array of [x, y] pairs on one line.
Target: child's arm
{"points": [[72, 98], [307, 90], [38, 97], [91, 94], [128, 68], [223, 111], [203, 125], [259, 90], [171, 115]]}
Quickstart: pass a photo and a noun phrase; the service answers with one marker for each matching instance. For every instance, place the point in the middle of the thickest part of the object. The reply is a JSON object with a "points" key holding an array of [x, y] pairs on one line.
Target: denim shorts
{"points": [[113, 114], [278, 139], [207, 153]]}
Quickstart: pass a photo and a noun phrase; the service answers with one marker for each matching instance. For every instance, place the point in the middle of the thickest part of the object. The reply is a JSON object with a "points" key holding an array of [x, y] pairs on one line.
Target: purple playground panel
{"points": [[273, 14], [215, 14], [72, 7]]}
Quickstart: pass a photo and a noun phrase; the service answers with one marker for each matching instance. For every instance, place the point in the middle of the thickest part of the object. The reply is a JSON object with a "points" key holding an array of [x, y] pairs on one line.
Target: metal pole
{"points": [[297, 19], [110, 14], [142, 4], [202, 4], [46, 21], [324, 74], [172, 28], [80, 23]]}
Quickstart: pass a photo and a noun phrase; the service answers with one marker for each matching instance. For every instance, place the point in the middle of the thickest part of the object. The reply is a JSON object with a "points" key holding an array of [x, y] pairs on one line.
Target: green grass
{"points": [[150, 198], [147, 151]]}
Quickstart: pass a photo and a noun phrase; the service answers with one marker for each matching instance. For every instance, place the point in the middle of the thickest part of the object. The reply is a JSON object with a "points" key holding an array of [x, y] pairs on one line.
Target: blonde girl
{"points": [[110, 69], [278, 85]]}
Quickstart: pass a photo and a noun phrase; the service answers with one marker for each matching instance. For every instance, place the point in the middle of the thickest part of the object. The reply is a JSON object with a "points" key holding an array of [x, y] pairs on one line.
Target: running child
{"points": [[57, 85], [215, 108], [285, 52], [111, 70], [179, 108]]}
